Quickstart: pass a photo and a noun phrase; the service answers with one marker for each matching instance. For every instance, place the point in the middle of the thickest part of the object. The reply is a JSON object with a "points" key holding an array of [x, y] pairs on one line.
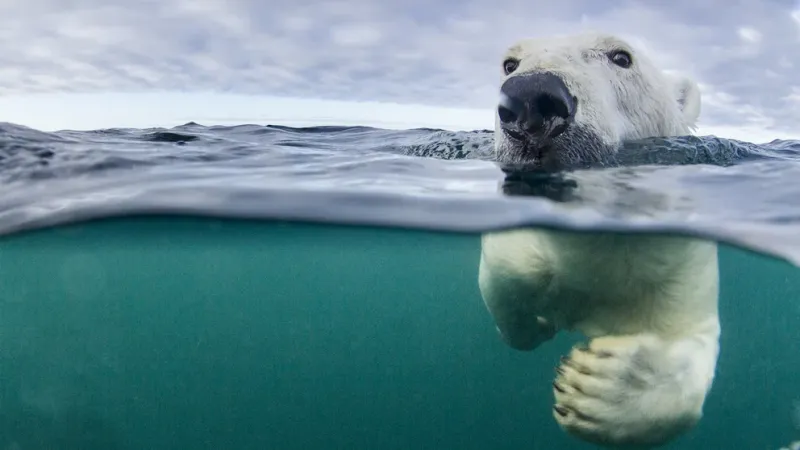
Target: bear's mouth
{"points": [[533, 149]]}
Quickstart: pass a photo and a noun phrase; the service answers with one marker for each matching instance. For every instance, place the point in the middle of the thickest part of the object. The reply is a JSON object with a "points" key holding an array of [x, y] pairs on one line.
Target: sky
{"points": [[85, 64]]}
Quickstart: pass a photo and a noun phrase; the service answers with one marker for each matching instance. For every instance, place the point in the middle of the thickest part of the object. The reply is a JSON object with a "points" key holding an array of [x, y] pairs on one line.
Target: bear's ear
{"points": [[687, 93]]}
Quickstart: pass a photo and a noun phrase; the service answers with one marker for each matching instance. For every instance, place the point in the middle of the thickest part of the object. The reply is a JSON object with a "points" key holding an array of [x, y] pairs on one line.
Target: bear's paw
{"points": [[638, 391]]}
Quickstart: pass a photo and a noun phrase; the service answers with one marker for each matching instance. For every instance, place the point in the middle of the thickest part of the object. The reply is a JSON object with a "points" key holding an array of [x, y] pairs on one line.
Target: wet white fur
{"points": [[619, 104], [647, 303]]}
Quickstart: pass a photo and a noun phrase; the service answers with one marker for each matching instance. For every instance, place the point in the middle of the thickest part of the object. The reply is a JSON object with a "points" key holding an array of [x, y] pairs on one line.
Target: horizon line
{"points": [[168, 109]]}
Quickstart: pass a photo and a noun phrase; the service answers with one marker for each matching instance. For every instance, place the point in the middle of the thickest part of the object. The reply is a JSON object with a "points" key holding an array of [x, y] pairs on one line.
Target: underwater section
{"points": [[171, 332]]}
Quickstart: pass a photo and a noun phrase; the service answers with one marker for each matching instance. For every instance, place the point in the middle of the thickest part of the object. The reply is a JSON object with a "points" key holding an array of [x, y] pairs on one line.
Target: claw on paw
{"points": [[603, 354], [574, 364], [587, 348]]}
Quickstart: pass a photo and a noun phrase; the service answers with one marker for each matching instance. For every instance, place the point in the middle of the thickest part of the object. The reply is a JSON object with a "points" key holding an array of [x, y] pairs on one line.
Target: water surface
{"points": [[732, 191]]}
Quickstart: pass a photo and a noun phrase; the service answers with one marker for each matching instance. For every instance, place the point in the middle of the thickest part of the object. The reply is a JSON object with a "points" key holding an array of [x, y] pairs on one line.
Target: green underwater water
{"points": [[191, 333]]}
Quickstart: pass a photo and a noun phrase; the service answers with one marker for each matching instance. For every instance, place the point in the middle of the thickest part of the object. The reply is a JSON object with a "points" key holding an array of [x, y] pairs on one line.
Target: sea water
{"points": [[262, 287]]}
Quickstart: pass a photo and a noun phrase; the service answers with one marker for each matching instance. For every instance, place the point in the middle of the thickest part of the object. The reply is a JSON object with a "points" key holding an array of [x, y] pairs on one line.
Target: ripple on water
{"points": [[732, 191]]}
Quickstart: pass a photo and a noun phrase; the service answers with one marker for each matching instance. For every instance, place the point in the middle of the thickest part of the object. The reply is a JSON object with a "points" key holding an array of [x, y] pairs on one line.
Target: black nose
{"points": [[536, 103]]}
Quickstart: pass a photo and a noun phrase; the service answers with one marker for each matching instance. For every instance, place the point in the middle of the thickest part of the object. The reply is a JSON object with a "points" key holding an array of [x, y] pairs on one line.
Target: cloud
{"points": [[443, 54], [748, 34]]}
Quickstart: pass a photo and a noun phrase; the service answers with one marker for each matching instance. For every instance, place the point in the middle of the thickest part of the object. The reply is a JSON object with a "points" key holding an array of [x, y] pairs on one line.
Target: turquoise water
{"points": [[179, 333], [268, 287]]}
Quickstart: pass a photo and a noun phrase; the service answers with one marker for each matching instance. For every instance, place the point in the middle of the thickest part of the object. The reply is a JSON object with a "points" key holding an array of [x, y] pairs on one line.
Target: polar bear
{"points": [[647, 303]]}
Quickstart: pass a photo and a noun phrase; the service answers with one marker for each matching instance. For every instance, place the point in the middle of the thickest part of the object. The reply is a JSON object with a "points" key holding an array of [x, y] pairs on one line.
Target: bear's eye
{"points": [[621, 58], [510, 65]]}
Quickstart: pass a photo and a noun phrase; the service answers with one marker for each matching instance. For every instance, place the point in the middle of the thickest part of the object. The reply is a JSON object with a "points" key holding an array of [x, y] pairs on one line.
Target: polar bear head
{"points": [[574, 99]]}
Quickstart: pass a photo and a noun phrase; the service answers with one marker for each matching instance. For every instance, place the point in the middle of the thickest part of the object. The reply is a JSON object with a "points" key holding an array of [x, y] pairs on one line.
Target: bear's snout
{"points": [[535, 107]]}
